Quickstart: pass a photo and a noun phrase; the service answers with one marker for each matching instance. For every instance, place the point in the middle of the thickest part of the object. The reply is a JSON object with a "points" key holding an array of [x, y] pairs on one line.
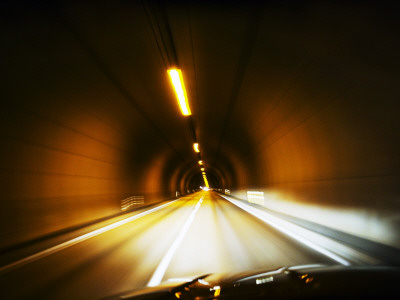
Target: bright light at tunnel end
{"points": [[180, 91]]}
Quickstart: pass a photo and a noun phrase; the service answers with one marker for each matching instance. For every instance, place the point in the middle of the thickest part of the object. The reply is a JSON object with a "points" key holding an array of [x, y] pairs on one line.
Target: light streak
{"points": [[78, 239], [180, 91], [162, 267], [206, 181], [279, 224]]}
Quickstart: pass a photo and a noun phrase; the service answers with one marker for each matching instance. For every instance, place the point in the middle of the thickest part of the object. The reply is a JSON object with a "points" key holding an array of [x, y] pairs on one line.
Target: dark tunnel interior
{"points": [[299, 101]]}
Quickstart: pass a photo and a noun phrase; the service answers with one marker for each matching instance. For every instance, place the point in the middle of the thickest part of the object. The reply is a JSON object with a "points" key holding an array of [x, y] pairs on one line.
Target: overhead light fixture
{"points": [[202, 169], [204, 173], [180, 91], [196, 147], [200, 162], [206, 181]]}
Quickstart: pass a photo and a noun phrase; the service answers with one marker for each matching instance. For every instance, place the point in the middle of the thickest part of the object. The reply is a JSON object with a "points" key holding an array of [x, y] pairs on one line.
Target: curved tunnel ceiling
{"points": [[300, 98]]}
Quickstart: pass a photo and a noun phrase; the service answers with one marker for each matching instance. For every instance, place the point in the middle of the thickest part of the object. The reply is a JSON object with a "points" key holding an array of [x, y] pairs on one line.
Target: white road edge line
{"points": [[162, 267], [293, 235], [79, 239]]}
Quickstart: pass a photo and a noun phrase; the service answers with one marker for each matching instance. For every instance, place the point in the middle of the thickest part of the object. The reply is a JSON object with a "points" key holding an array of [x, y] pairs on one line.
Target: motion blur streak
{"points": [[196, 147], [80, 239], [313, 240], [162, 267], [221, 238], [180, 90]]}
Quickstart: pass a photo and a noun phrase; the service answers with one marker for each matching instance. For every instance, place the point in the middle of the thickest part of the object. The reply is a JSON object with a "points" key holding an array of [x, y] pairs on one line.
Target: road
{"points": [[197, 234]]}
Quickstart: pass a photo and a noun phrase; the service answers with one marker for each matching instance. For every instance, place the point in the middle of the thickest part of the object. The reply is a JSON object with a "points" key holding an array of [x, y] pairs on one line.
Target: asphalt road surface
{"points": [[197, 234]]}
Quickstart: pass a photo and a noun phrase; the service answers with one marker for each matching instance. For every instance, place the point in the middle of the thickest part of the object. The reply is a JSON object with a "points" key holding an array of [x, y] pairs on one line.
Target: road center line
{"points": [[78, 239], [162, 267]]}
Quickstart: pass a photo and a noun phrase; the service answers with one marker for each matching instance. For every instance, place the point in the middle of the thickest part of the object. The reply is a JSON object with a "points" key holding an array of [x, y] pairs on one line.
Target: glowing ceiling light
{"points": [[200, 162], [217, 291], [196, 147], [206, 181], [202, 169], [180, 91]]}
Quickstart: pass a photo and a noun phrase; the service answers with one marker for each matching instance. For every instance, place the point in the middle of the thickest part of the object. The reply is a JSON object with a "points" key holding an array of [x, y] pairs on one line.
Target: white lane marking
{"points": [[162, 267], [79, 239], [290, 233]]}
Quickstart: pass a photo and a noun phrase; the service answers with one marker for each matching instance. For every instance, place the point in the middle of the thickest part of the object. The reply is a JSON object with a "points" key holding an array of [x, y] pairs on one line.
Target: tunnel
{"points": [[296, 103]]}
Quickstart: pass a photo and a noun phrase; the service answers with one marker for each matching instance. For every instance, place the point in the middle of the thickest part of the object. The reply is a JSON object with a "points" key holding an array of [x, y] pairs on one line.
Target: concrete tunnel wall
{"points": [[74, 145], [328, 140], [65, 163]]}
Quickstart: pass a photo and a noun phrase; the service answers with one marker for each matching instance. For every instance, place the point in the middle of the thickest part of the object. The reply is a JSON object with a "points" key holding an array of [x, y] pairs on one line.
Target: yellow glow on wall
{"points": [[196, 147], [180, 91]]}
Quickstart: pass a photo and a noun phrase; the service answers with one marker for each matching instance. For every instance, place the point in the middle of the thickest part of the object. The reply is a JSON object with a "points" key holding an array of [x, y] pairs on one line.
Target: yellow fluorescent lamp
{"points": [[196, 147], [179, 86], [206, 181], [200, 162], [202, 169], [217, 291]]}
